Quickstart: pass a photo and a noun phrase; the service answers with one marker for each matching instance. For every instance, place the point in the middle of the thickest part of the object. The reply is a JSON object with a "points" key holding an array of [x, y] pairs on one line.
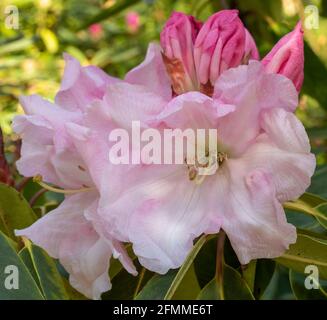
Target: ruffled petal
{"points": [[251, 90], [152, 74], [283, 151], [65, 234], [253, 218], [81, 85], [127, 103], [192, 110], [161, 212], [47, 149]]}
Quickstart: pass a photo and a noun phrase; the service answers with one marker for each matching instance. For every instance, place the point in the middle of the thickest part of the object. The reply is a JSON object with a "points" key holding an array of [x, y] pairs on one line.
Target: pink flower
{"points": [[96, 31], [287, 57], [266, 161], [198, 54], [68, 233], [133, 21], [263, 155], [177, 40]]}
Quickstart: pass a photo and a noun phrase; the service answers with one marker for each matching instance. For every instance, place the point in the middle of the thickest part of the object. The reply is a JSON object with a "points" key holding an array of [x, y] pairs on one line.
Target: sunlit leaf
{"points": [[46, 272], [15, 212]]}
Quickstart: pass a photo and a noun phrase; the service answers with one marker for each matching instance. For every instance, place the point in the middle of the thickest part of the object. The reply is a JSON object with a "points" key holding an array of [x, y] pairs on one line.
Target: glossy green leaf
{"points": [[189, 288], [318, 181], [184, 268], [234, 287], [15, 212], [323, 215], [49, 279], [310, 205], [315, 76], [210, 291], [166, 286], [124, 285], [265, 269], [306, 251], [205, 262], [157, 287], [249, 272], [297, 281], [9, 261]]}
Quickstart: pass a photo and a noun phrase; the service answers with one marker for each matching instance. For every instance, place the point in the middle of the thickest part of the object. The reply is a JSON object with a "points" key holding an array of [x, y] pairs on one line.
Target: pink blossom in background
{"points": [[201, 77], [95, 31], [132, 21]]}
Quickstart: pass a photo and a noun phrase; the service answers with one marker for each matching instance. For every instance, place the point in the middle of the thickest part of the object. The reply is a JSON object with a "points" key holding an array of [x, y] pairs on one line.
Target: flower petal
{"points": [[152, 74], [284, 152], [253, 218], [161, 212], [192, 110], [251, 90], [81, 85], [65, 234]]}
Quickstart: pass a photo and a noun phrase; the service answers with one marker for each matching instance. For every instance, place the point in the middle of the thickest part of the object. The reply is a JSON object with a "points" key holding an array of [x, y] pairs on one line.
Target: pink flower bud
{"points": [[219, 45], [177, 39], [287, 57]]}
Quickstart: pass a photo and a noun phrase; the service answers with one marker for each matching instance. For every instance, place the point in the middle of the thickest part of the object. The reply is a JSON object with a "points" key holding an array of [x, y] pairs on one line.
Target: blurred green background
{"points": [[114, 35]]}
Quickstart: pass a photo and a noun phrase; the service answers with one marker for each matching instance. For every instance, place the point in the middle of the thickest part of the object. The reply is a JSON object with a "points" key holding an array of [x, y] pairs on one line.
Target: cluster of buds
{"points": [[196, 54]]}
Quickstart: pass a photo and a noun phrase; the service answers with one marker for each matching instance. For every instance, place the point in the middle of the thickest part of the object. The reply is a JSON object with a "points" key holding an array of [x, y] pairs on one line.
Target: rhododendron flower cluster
{"points": [[203, 76]]}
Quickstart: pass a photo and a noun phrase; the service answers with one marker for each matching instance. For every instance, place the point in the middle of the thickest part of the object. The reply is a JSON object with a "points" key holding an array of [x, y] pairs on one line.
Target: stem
{"points": [[138, 287], [220, 261], [21, 185], [36, 196]]}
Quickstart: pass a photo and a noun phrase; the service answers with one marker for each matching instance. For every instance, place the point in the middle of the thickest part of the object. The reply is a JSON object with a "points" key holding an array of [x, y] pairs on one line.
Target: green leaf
{"points": [[306, 206], [318, 181], [265, 269], [49, 279], [205, 262], [323, 215], [184, 268], [297, 281], [210, 291], [189, 288], [248, 273], [157, 287], [124, 285], [50, 40], [15, 212], [166, 286], [312, 199], [315, 76], [307, 250], [27, 287], [233, 288], [311, 204]]}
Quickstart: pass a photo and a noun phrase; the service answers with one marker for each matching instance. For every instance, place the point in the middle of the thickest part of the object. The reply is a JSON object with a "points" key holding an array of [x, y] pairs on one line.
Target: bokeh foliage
{"points": [[96, 32]]}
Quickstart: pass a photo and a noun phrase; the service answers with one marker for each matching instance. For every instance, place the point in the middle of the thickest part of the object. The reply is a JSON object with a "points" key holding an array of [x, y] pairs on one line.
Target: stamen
{"points": [[38, 179], [200, 170]]}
